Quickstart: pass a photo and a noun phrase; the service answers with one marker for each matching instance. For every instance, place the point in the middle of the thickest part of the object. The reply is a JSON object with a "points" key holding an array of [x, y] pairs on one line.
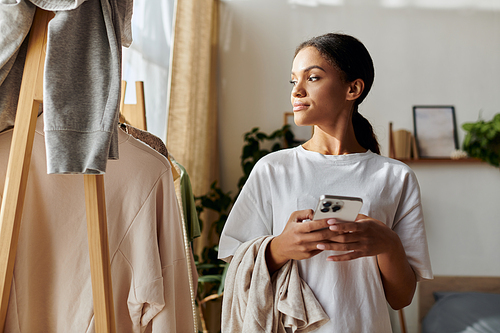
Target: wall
{"points": [[422, 56]]}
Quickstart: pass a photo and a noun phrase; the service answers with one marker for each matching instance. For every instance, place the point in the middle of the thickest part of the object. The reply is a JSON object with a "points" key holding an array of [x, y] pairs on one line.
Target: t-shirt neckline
{"points": [[347, 158]]}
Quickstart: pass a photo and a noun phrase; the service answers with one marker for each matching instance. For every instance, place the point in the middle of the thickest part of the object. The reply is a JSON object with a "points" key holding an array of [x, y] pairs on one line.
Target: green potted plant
{"points": [[482, 140]]}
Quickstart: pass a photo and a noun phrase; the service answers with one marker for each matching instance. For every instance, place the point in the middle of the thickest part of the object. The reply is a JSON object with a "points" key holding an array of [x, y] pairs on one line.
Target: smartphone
{"points": [[338, 207]]}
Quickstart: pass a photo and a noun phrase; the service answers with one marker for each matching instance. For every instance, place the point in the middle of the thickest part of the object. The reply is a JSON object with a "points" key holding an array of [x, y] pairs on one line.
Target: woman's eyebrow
{"points": [[311, 67]]}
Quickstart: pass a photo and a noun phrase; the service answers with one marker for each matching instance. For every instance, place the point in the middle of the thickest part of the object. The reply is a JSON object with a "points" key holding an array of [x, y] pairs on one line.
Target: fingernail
{"points": [[330, 221], [321, 246], [334, 227]]}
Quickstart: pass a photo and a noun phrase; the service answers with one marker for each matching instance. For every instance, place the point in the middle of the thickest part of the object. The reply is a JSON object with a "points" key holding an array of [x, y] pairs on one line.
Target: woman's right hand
{"points": [[298, 240]]}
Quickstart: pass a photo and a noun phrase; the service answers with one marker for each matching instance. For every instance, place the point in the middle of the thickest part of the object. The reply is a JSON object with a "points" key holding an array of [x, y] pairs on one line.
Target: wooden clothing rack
{"points": [[31, 95]]}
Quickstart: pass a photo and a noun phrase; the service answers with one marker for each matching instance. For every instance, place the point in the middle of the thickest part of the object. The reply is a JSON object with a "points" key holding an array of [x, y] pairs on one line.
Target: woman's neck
{"points": [[330, 142]]}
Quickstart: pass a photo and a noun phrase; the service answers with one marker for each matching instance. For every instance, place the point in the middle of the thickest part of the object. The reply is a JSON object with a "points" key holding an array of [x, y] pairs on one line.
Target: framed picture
{"points": [[301, 133], [435, 131]]}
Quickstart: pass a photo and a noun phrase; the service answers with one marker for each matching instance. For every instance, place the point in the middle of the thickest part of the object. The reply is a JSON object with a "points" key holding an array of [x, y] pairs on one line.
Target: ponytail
{"points": [[364, 132]]}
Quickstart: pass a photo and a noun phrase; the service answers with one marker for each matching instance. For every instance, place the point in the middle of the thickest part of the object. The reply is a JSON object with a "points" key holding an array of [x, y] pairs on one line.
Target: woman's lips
{"points": [[299, 106]]}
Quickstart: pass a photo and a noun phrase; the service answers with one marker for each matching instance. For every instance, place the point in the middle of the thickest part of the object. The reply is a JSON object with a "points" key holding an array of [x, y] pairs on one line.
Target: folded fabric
{"points": [[255, 302]]}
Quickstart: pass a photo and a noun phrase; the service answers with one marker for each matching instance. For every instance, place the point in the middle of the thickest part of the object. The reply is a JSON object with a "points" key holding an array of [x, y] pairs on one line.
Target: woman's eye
{"points": [[313, 78], [293, 82]]}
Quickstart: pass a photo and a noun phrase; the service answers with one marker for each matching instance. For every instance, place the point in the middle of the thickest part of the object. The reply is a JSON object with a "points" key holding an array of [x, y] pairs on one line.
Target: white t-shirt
{"points": [[293, 179]]}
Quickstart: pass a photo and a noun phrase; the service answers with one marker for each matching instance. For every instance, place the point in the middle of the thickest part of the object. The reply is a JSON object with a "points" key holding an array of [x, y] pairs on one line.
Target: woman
{"points": [[387, 248]]}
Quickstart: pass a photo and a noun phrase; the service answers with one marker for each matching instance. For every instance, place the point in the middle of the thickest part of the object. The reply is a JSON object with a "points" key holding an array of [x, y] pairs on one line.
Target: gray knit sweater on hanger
{"points": [[82, 79]]}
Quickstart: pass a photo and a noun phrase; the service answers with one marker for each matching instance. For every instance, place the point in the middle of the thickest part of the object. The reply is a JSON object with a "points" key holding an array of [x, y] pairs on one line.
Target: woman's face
{"points": [[319, 95]]}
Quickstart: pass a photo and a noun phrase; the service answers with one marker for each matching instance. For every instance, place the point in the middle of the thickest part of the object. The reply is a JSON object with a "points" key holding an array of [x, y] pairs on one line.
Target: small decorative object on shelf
{"points": [[458, 154]]}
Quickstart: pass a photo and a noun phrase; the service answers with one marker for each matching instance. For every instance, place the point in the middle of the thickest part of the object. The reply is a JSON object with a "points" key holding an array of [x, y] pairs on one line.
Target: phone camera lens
{"points": [[325, 209], [327, 203], [336, 208]]}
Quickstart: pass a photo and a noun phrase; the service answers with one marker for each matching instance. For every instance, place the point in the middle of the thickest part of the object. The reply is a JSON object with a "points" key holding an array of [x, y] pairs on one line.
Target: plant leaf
{"points": [[210, 278], [223, 279]]}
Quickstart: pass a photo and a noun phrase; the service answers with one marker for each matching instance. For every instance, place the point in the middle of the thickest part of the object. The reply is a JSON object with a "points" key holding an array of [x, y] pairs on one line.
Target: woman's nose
{"points": [[298, 90]]}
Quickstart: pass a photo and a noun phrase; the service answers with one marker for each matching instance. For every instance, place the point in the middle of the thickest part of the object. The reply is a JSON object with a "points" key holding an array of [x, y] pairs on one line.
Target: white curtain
{"points": [[148, 59]]}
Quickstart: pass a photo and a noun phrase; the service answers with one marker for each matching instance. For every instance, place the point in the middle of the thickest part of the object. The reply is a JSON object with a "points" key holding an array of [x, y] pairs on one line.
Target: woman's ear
{"points": [[356, 88]]}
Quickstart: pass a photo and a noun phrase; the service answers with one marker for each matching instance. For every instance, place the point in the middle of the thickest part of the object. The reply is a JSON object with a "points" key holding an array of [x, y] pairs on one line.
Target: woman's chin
{"points": [[302, 123]]}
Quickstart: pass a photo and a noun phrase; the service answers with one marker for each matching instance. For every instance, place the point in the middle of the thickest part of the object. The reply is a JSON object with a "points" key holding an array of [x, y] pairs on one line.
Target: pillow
{"points": [[470, 312]]}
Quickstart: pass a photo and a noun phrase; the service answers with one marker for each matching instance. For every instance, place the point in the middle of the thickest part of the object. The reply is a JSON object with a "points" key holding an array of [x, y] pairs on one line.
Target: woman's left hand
{"points": [[369, 237], [364, 237]]}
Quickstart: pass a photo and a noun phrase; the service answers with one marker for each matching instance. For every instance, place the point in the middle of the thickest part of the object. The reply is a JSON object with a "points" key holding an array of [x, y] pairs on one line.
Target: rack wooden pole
{"points": [[99, 253], [20, 156], [134, 114], [30, 96]]}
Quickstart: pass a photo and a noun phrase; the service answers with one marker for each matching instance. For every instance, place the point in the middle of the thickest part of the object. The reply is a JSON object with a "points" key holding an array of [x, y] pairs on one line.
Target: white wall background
{"points": [[422, 56]]}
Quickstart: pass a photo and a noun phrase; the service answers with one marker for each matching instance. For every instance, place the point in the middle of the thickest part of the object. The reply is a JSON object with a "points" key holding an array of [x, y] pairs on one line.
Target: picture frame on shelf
{"points": [[301, 133], [435, 130]]}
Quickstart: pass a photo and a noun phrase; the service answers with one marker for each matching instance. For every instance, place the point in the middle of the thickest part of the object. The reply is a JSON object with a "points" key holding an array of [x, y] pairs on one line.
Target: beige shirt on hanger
{"points": [[51, 288]]}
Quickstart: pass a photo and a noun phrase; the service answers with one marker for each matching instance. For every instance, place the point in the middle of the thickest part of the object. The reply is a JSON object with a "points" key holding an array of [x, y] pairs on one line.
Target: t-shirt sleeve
{"points": [[251, 215], [409, 225]]}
